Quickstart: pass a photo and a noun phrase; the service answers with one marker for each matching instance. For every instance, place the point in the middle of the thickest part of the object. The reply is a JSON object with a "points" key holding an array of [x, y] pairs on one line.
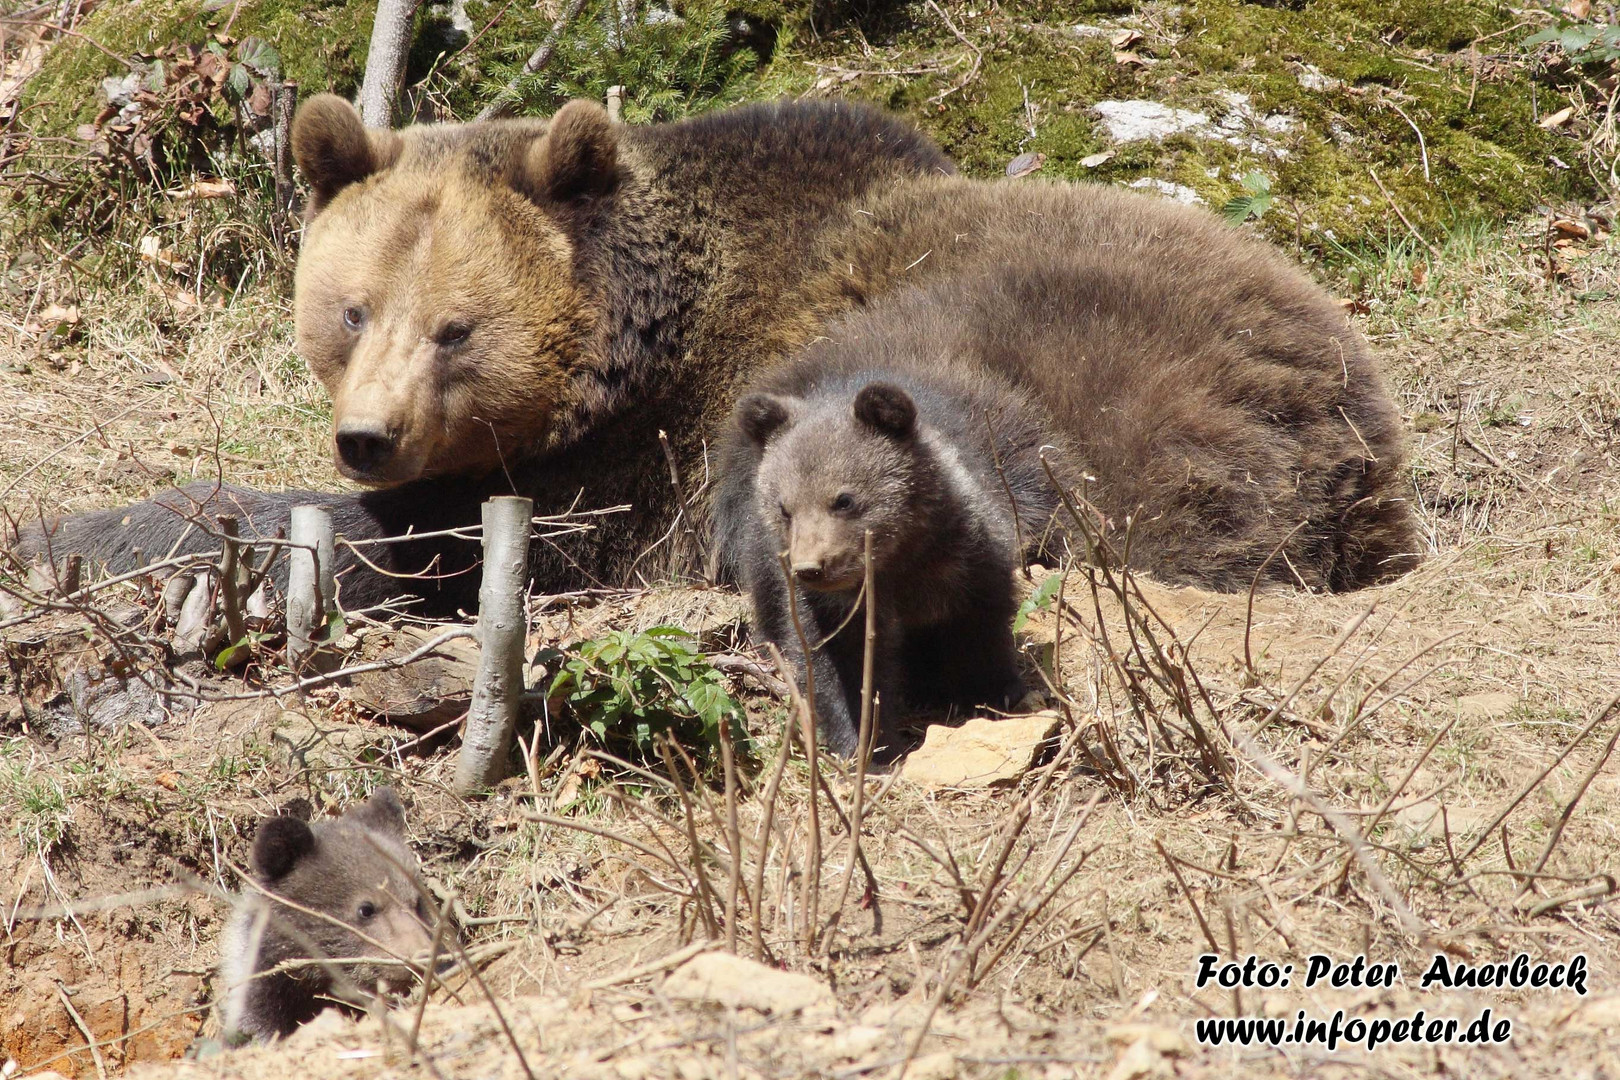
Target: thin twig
{"points": [[1398, 213], [1524, 793], [503, 102], [978, 55]]}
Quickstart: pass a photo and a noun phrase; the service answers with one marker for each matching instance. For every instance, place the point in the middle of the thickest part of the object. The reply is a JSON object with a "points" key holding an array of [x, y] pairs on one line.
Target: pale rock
{"points": [[1130, 121], [718, 978], [980, 753], [1174, 192], [1311, 78], [325, 1029], [635, 1068]]}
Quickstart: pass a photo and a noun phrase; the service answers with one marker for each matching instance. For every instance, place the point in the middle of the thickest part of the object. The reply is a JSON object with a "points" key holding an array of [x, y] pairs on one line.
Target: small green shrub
{"points": [[627, 688], [1582, 43], [1254, 204]]}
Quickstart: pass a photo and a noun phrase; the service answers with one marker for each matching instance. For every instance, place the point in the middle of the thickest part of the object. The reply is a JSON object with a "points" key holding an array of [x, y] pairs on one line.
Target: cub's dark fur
{"points": [[1209, 419], [850, 439], [357, 870]]}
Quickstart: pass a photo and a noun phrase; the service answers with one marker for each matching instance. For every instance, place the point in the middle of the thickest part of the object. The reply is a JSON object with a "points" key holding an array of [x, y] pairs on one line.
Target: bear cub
{"points": [[357, 871], [829, 449]]}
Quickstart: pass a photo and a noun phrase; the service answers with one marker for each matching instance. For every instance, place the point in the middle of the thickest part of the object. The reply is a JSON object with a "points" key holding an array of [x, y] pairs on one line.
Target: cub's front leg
{"points": [[836, 658]]}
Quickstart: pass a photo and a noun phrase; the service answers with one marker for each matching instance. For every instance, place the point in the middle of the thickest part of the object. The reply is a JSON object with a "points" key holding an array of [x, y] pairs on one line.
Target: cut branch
{"points": [[498, 685]]}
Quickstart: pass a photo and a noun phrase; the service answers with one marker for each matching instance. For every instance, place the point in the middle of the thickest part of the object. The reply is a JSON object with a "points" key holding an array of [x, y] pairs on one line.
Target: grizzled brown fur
{"points": [[355, 878], [1205, 397], [526, 304], [851, 438]]}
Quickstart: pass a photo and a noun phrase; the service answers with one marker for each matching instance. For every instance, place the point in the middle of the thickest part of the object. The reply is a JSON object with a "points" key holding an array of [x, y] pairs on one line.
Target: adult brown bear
{"points": [[525, 305]]}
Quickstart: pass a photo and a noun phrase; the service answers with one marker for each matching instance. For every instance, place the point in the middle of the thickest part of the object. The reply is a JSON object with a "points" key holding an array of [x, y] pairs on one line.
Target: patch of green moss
{"points": [[1383, 70]]}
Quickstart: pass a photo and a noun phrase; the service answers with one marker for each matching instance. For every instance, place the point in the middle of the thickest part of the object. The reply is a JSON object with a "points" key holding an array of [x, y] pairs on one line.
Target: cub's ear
{"points": [[760, 416], [886, 409], [277, 847], [576, 158], [334, 149], [382, 812]]}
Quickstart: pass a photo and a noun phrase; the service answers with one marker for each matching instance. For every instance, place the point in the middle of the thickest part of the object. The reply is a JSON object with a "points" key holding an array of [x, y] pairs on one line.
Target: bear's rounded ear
{"points": [[577, 157], [382, 812], [760, 416], [886, 409], [277, 847], [334, 149]]}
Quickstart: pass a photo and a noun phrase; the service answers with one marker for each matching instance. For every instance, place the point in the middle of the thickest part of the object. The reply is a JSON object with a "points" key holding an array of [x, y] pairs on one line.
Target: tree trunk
{"points": [[385, 63]]}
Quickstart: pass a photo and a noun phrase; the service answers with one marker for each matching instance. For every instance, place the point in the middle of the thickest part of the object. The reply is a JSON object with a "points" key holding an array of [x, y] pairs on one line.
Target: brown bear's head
{"points": [[353, 881], [437, 296], [831, 470]]}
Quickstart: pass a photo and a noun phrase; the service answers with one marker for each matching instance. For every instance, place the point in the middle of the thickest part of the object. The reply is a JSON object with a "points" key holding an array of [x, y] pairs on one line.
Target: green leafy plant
{"points": [[1254, 204], [626, 688], [1583, 43], [1039, 602]]}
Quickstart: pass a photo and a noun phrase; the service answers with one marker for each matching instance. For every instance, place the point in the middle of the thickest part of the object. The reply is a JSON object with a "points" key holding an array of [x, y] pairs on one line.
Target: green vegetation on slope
{"points": [[1335, 102]]}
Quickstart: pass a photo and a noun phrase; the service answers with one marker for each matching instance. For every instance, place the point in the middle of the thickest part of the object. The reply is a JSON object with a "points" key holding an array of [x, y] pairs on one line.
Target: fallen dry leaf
{"points": [[203, 189], [1130, 59], [1572, 228], [55, 319], [1124, 39], [1024, 164], [1577, 9], [1559, 118], [167, 780], [1091, 161], [150, 248]]}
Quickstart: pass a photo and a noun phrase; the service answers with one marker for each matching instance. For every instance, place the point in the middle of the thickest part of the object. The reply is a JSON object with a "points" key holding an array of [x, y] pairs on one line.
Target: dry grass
{"points": [[1381, 773]]}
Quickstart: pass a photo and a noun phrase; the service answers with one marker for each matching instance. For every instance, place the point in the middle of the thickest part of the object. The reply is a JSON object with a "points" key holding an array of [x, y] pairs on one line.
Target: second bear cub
{"points": [[342, 889], [829, 449]]}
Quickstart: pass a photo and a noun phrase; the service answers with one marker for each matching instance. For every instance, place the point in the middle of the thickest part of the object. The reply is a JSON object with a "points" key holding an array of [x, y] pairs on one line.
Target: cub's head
{"points": [[437, 296], [831, 470], [357, 879]]}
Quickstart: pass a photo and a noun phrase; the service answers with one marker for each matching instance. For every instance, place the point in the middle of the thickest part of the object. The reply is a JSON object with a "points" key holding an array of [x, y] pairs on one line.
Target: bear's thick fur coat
{"points": [[354, 882], [525, 305], [1208, 440], [931, 459]]}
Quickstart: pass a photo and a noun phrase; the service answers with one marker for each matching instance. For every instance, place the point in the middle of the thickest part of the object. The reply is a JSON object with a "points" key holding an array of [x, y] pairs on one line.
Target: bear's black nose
{"points": [[365, 449]]}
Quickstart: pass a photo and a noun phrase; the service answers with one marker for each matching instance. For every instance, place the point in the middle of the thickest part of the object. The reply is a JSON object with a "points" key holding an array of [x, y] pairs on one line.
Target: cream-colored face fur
{"points": [[441, 313]]}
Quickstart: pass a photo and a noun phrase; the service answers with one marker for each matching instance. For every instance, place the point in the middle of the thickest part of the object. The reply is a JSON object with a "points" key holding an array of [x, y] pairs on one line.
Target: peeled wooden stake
{"points": [[309, 579], [502, 622]]}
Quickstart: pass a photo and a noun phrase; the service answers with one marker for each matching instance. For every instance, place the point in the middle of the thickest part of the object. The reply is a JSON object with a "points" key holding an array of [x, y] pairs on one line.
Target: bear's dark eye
{"points": [[453, 334], [844, 503], [367, 909], [783, 507], [354, 318]]}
